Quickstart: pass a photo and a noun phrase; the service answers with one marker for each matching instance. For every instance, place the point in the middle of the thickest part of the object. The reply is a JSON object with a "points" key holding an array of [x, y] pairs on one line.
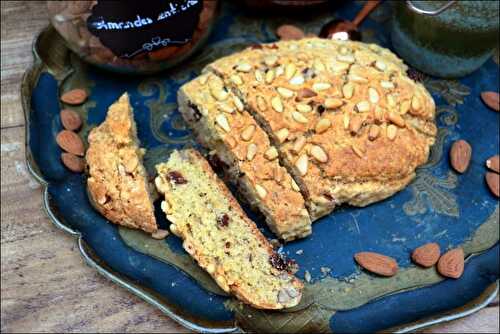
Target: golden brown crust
{"points": [[342, 114], [117, 182], [225, 127], [219, 236]]}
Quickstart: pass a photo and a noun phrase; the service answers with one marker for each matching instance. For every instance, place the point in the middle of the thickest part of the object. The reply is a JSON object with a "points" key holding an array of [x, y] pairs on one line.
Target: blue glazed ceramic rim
{"points": [[94, 262]]}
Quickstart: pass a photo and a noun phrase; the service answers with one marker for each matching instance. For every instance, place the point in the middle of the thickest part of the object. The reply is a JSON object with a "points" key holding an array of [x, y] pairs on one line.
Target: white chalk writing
{"points": [[138, 21]]}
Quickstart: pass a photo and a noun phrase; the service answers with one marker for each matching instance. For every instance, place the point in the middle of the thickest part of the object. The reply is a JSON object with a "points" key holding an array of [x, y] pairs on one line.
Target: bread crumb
{"points": [[325, 270], [307, 276]]}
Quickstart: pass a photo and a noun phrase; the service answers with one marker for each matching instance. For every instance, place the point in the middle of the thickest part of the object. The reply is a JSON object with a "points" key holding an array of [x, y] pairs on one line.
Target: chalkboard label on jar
{"points": [[132, 27]]}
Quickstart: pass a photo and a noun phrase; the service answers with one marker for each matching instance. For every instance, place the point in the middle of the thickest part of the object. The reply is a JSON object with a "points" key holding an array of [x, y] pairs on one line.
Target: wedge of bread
{"points": [[118, 183], [220, 237], [244, 149]]}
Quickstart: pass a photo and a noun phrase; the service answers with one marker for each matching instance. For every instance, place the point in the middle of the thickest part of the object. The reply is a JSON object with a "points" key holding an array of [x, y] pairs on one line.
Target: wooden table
{"points": [[45, 284]]}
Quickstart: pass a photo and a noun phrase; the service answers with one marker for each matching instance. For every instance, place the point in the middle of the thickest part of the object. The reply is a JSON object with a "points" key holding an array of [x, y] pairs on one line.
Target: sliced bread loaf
{"points": [[222, 124], [220, 237], [118, 183]]}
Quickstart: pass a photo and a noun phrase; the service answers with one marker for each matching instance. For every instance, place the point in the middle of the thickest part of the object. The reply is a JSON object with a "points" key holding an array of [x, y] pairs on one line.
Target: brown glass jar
{"points": [[136, 37]]}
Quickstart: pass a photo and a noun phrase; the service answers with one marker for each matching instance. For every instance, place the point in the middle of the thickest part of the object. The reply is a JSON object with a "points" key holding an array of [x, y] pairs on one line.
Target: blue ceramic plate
{"points": [[439, 206]]}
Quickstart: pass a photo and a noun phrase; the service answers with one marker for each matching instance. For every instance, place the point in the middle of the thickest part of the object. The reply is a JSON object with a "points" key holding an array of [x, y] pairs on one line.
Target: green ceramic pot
{"points": [[445, 38]]}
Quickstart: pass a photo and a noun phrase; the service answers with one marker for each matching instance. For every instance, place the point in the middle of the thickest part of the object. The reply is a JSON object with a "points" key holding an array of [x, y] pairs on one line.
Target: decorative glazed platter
{"points": [[439, 206]]}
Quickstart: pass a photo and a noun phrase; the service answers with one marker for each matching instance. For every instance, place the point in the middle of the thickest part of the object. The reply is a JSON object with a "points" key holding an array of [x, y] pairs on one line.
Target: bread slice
{"points": [[118, 183], [243, 148], [218, 234], [349, 123]]}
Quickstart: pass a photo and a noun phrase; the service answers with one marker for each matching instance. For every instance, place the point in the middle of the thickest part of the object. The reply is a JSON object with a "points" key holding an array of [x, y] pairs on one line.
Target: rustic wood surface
{"points": [[45, 284]]}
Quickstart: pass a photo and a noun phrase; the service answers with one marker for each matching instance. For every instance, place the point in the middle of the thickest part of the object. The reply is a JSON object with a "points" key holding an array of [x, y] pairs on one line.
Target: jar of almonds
{"points": [[137, 37]]}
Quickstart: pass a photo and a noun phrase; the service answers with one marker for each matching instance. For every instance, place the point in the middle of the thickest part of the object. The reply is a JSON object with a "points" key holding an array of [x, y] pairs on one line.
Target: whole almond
{"points": [[70, 119], [74, 96], [426, 255], [460, 155], [377, 263], [493, 181], [493, 163], [70, 142], [451, 264], [289, 32], [491, 99], [72, 162]]}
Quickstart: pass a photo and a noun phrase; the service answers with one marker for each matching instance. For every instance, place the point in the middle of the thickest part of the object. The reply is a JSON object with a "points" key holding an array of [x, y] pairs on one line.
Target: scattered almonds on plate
{"points": [[493, 181], [289, 32], [74, 96], [72, 162], [491, 99], [377, 263], [70, 119], [493, 163], [451, 264], [460, 155], [70, 142], [426, 255]]}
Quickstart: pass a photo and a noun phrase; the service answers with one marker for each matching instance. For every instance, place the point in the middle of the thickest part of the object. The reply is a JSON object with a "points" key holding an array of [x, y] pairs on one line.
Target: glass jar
{"points": [[446, 39], [135, 37]]}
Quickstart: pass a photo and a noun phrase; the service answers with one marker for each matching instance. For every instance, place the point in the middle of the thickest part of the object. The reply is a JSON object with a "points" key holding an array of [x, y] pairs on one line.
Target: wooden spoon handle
{"points": [[363, 13]]}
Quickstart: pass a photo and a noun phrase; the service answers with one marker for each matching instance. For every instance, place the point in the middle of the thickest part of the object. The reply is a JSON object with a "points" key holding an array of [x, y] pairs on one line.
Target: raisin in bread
{"points": [[220, 237]]}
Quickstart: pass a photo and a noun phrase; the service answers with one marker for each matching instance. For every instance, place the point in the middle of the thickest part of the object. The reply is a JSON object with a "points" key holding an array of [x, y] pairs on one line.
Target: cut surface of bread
{"points": [[220, 237], [348, 122], [118, 183], [243, 148]]}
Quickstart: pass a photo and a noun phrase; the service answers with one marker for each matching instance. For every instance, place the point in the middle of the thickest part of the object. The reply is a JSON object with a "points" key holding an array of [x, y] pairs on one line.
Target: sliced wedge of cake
{"points": [[221, 123], [220, 237], [118, 183]]}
